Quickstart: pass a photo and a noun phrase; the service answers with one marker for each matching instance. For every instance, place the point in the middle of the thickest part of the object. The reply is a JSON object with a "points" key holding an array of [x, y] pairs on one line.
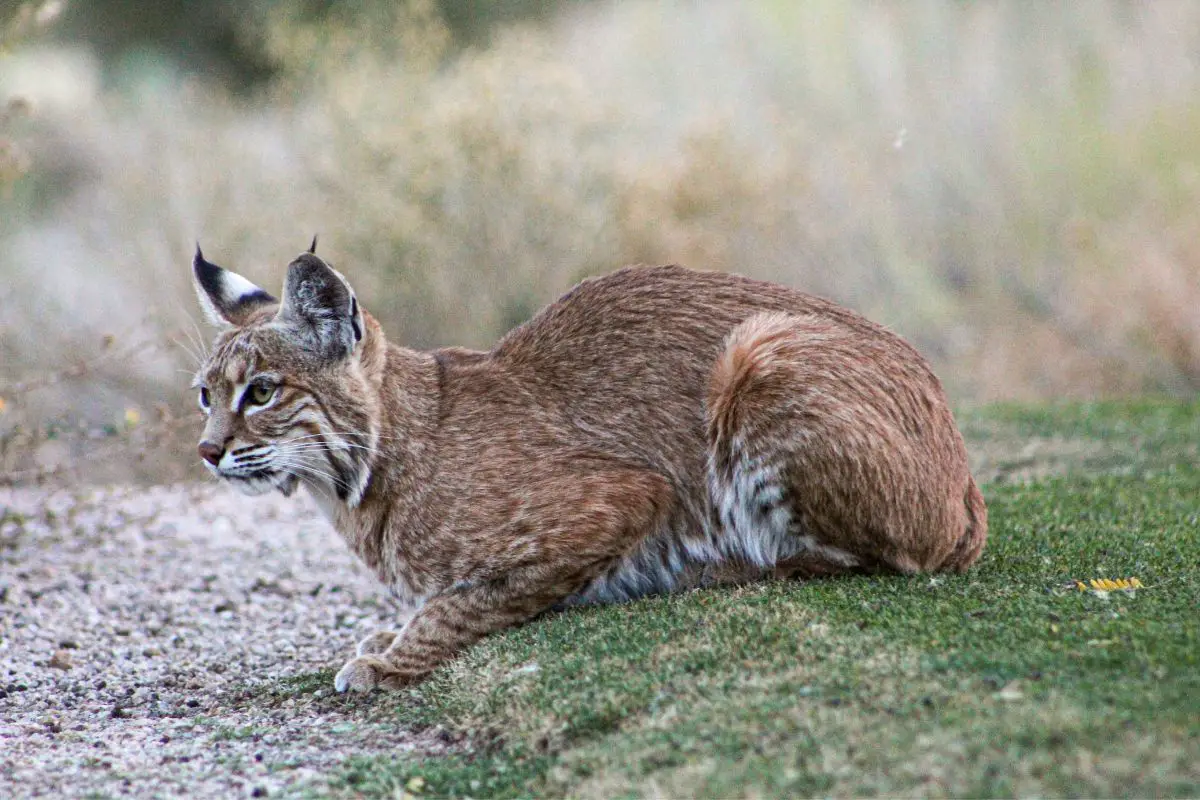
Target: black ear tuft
{"points": [[313, 247], [226, 297], [205, 273], [208, 276]]}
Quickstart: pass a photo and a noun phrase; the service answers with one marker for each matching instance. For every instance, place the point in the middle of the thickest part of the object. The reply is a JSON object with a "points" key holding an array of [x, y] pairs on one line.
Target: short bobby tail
{"points": [[974, 537]]}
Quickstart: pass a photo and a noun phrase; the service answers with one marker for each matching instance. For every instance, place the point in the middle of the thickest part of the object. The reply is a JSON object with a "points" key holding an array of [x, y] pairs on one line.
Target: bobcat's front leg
{"points": [[376, 643], [600, 518], [452, 621]]}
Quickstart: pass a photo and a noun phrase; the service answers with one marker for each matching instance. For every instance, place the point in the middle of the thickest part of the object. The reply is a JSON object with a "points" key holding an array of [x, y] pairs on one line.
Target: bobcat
{"points": [[652, 429]]}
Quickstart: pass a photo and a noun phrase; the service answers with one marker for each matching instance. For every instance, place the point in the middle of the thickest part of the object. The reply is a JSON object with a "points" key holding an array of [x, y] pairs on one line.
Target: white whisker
{"points": [[324, 447], [188, 350], [287, 462], [300, 468]]}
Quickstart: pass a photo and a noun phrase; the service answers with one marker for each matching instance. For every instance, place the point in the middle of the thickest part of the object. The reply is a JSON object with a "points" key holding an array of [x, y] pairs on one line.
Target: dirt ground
{"points": [[142, 632]]}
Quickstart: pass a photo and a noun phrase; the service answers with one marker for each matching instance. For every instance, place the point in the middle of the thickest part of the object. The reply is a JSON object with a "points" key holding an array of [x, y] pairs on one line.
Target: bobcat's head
{"points": [[285, 392]]}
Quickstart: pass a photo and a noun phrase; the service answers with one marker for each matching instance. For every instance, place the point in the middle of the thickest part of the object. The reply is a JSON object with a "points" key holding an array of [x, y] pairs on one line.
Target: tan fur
{"points": [[653, 429]]}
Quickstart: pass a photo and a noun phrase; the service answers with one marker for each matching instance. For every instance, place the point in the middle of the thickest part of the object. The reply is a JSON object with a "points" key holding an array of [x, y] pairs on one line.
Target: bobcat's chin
{"points": [[260, 483], [253, 487]]}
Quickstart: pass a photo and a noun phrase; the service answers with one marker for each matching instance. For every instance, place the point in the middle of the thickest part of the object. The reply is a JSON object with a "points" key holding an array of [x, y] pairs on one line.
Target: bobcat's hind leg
{"points": [[841, 430], [752, 447]]}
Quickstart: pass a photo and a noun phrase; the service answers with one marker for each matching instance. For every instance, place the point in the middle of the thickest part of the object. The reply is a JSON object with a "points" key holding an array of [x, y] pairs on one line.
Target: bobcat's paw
{"points": [[364, 673], [361, 674], [376, 643]]}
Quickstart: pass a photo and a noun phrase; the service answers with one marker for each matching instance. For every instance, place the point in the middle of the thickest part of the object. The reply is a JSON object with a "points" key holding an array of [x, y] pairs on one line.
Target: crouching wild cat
{"points": [[653, 429]]}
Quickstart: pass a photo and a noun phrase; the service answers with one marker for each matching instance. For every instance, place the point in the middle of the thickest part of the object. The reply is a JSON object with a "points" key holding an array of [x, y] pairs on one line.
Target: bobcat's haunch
{"points": [[653, 429]]}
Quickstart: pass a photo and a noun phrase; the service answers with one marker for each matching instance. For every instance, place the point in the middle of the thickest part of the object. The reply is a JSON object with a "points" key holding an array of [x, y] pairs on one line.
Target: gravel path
{"points": [[144, 633]]}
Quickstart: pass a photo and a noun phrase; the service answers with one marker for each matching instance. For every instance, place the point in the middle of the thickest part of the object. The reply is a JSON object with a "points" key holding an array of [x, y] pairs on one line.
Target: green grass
{"points": [[1008, 680]]}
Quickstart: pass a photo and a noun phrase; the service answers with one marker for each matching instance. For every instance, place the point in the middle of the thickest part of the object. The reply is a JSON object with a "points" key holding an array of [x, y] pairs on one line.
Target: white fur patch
{"points": [[235, 397], [325, 498], [234, 287], [756, 522], [211, 312]]}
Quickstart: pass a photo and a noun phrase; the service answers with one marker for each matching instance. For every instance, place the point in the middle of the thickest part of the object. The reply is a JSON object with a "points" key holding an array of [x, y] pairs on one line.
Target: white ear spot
{"points": [[236, 289]]}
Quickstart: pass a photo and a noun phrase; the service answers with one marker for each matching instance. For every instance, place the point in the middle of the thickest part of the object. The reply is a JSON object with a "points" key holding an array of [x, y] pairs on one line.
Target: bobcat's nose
{"points": [[211, 452]]}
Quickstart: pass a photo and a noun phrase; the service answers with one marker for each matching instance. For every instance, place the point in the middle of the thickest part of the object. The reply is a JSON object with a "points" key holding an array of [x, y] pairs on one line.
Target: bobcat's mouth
{"points": [[260, 481], [286, 482]]}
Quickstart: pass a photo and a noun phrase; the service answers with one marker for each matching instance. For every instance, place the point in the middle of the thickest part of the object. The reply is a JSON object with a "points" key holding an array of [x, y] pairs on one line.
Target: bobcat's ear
{"points": [[226, 297], [319, 301]]}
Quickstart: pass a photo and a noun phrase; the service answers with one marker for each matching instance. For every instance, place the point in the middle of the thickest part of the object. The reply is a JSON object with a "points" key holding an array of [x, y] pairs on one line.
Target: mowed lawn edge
{"points": [[1007, 680]]}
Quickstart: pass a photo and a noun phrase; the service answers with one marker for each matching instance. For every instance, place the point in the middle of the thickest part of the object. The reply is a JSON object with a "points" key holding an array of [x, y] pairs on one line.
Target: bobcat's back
{"points": [[627, 358]]}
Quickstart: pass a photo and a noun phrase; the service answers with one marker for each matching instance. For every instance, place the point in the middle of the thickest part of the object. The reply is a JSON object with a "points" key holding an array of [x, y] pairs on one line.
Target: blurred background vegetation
{"points": [[1015, 187]]}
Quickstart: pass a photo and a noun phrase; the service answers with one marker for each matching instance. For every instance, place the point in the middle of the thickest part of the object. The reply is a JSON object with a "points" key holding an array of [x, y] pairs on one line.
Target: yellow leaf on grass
{"points": [[1110, 585], [132, 417]]}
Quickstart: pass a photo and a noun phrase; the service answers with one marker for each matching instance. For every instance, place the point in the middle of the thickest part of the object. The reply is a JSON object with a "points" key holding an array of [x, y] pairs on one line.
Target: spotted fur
{"points": [[653, 429]]}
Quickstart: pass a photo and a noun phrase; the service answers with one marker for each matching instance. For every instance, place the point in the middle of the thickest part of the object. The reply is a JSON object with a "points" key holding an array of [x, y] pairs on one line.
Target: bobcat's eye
{"points": [[261, 393], [204, 397]]}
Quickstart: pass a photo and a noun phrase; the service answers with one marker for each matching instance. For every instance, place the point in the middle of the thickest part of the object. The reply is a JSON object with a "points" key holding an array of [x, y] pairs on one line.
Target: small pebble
{"points": [[60, 660]]}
